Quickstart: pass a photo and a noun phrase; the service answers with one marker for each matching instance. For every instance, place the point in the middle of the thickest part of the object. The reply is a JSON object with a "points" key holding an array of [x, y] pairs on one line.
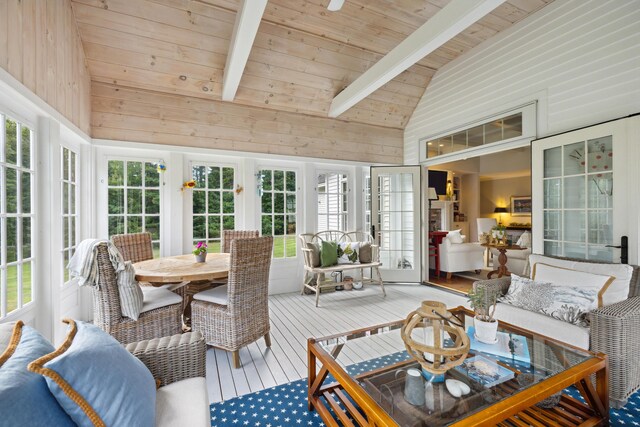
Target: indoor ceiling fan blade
{"points": [[335, 5]]}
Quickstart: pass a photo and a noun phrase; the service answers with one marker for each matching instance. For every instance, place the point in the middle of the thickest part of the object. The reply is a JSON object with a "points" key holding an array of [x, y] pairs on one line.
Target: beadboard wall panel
{"points": [[140, 115], [40, 46], [579, 59]]}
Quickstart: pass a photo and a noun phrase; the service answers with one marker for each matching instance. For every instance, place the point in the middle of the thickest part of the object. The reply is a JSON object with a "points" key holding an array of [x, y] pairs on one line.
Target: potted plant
{"points": [[200, 252], [483, 304], [499, 231]]}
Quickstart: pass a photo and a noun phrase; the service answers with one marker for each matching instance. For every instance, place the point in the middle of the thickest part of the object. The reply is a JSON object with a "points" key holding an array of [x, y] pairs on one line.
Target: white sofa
{"points": [[456, 257], [614, 325]]}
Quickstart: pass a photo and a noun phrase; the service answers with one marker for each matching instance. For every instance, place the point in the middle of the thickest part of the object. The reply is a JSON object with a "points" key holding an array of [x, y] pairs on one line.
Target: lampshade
{"points": [[500, 210], [432, 193]]}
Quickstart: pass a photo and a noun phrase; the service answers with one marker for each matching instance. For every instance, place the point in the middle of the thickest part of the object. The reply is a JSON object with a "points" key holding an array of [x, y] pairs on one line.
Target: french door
{"points": [[585, 193], [395, 212]]}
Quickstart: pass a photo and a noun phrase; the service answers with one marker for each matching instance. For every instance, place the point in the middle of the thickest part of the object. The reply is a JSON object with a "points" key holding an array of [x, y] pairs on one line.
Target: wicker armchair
{"points": [[229, 235], [614, 330], [134, 247], [232, 316], [107, 314]]}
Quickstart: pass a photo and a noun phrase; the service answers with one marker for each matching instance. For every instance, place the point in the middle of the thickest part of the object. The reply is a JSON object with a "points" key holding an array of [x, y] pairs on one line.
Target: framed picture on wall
{"points": [[520, 205]]}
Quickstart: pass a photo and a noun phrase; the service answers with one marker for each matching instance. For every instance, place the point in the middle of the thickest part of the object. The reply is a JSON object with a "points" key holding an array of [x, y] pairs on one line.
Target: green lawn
{"points": [[12, 286]]}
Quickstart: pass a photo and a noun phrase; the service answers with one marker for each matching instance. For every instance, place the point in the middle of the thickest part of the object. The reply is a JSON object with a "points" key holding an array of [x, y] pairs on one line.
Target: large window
{"points": [[16, 215], [332, 201], [134, 199], [70, 209], [213, 204], [278, 210]]}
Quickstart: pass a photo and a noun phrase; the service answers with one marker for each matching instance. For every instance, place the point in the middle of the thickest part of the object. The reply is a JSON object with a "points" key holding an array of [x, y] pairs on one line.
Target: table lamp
{"points": [[500, 211], [432, 195]]}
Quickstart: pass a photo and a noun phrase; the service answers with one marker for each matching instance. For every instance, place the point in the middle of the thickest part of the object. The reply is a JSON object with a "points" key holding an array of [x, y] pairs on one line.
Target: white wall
{"points": [[580, 60]]}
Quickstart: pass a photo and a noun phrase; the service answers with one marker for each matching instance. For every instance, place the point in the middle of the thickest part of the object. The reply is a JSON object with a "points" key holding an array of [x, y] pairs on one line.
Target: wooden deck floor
{"points": [[294, 318]]}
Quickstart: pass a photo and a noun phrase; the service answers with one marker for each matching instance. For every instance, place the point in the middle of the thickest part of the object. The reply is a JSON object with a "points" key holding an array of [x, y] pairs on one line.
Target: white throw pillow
{"points": [[565, 277], [131, 297], [525, 240], [616, 292], [348, 252], [455, 237]]}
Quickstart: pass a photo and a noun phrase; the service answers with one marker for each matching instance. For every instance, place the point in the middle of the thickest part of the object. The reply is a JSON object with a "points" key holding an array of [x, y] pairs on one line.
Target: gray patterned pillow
{"points": [[567, 303]]}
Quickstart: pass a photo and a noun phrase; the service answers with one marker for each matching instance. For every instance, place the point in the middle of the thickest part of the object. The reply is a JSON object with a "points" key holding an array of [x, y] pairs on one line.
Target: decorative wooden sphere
{"points": [[433, 355]]}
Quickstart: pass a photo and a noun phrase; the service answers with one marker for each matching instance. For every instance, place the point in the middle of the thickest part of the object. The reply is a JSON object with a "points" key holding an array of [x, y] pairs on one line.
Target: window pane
{"points": [[11, 193], [134, 201], [73, 229], [72, 167], [72, 198], [65, 231], [12, 239], [152, 225], [214, 202], [266, 179], [267, 206], [199, 204], [152, 201], [65, 163], [65, 198], [199, 227], [266, 225], [134, 174], [214, 227], [278, 203], [291, 224], [151, 175], [214, 177], [227, 202], [278, 225], [134, 224], [198, 175], [278, 180], [291, 181], [290, 246], [228, 222], [291, 203], [116, 225], [26, 192], [26, 238], [11, 141], [26, 147], [12, 288], [116, 172], [600, 155], [227, 178]]}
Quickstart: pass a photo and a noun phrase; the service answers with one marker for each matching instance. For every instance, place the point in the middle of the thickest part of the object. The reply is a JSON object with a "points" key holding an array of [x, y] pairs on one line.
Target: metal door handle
{"points": [[624, 249]]}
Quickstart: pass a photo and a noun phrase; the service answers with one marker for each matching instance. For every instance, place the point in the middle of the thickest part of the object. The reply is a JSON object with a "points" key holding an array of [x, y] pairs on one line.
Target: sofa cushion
{"points": [[365, 253], [328, 253], [25, 399], [544, 325], [183, 403], [455, 237], [158, 297], [315, 253], [619, 288], [97, 381], [217, 295], [348, 252], [565, 277]]}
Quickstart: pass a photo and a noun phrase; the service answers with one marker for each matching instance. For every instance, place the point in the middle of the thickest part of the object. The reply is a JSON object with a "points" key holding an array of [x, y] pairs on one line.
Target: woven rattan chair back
{"points": [[106, 297], [134, 247], [248, 283], [229, 235]]}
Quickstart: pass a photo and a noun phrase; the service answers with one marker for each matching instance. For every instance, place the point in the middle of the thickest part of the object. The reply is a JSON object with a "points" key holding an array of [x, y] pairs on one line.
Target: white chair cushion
{"points": [[217, 295], [465, 247], [544, 325], [183, 403], [455, 237], [158, 297], [616, 292]]}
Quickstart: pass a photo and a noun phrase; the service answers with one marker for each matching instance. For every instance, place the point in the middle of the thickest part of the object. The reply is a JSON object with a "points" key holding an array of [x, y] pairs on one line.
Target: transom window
{"points": [[134, 199], [278, 210], [16, 215], [213, 204], [332, 201], [70, 210]]}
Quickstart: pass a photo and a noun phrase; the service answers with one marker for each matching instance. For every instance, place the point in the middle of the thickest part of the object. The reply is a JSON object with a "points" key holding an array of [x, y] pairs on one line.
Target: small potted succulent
{"points": [[200, 252], [484, 305]]}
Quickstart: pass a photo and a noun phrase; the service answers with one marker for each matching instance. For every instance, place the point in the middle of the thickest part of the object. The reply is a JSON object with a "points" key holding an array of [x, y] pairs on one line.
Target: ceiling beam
{"points": [[244, 33], [451, 20]]}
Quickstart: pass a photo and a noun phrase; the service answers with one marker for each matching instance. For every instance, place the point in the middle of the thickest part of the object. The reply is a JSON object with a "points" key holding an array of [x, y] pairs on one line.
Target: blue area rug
{"points": [[286, 405]]}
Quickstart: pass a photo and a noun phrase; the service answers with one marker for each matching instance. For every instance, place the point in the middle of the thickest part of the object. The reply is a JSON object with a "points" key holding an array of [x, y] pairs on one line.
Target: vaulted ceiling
{"points": [[303, 55]]}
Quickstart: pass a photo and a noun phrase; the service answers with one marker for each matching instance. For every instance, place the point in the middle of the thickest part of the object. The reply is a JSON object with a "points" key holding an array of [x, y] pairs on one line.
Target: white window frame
{"points": [[191, 215], [342, 195], [67, 216], [366, 196], [133, 158], [4, 265], [298, 193]]}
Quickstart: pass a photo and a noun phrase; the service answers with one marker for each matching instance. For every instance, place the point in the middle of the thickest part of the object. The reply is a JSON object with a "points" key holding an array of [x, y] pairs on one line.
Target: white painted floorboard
{"points": [[294, 318]]}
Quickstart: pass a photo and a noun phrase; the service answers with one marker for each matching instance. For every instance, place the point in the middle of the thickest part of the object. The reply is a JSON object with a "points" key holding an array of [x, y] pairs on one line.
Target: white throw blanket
{"points": [[84, 266]]}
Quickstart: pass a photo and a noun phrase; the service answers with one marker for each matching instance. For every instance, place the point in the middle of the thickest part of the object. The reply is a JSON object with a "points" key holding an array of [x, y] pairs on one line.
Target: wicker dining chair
{"points": [[134, 247], [230, 235], [232, 316], [107, 313]]}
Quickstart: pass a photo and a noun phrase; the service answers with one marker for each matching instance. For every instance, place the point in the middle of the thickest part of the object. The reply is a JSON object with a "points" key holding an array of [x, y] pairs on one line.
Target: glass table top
{"points": [[377, 360]]}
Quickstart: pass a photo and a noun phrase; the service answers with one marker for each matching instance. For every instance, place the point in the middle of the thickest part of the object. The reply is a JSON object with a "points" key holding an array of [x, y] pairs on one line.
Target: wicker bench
{"points": [[315, 278]]}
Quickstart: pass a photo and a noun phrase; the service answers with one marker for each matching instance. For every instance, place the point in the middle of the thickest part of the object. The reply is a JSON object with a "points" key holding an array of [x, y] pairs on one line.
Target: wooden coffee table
{"points": [[372, 396]]}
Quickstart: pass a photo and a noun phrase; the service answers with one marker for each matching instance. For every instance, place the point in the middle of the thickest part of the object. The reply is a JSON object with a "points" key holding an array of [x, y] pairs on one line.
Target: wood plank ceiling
{"points": [[302, 57]]}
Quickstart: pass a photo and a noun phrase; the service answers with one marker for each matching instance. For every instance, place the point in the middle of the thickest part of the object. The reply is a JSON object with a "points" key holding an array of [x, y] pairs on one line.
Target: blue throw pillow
{"points": [[97, 381], [25, 399]]}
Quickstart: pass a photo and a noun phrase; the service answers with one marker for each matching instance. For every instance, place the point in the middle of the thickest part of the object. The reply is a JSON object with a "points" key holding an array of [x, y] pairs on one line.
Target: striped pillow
{"points": [[131, 297]]}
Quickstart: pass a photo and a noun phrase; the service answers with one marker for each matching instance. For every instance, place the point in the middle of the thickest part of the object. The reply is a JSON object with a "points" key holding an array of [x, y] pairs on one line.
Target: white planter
{"points": [[498, 234], [486, 332]]}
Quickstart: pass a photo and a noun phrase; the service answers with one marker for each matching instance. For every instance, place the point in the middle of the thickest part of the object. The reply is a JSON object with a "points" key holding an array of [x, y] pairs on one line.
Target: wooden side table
{"points": [[502, 259]]}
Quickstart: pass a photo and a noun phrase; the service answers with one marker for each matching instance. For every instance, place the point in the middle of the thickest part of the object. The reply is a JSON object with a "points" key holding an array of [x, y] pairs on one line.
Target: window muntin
{"points": [[332, 192], [17, 187], [367, 203], [134, 199], [213, 204], [70, 211], [278, 217], [482, 134]]}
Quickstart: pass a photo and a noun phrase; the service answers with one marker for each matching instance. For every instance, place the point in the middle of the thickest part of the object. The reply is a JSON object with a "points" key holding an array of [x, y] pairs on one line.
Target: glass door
{"points": [[395, 192], [581, 190]]}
